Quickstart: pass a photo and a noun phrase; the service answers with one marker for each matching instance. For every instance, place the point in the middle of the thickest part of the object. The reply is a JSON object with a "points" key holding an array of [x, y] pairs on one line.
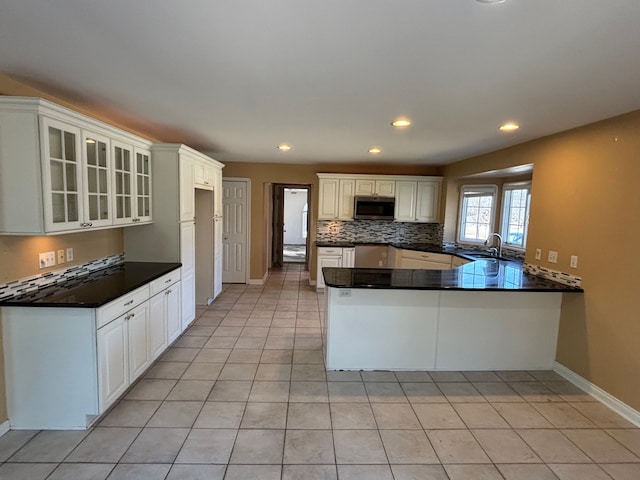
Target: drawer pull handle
{"points": [[167, 281], [128, 303], [167, 292]]}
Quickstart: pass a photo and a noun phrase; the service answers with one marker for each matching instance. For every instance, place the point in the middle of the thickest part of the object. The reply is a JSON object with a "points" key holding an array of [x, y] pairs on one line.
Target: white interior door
{"points": [[235, 231]]}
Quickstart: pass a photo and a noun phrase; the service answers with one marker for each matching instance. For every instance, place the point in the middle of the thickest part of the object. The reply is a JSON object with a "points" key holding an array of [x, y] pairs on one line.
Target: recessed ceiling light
{"points": [[509, 127], [401, 122], [284, 147], [375, 150]]}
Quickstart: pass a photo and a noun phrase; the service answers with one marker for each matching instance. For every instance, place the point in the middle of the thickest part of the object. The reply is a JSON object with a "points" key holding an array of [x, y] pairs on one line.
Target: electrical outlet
{"points": [[61, 256], [574, 261], [344, 292], [47, 259], [69, 254], [553, 256], [538, 254]]}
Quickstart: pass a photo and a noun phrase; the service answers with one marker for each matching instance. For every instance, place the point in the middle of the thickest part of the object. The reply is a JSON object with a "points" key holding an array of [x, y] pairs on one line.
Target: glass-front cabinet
{"points": [[62, 176], [62, 171], [123, 175], [97, 180], [132, 184], [143, 186]]}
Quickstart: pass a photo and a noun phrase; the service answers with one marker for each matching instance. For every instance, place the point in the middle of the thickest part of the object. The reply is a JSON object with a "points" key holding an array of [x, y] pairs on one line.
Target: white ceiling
{"points": [[236, 77]]}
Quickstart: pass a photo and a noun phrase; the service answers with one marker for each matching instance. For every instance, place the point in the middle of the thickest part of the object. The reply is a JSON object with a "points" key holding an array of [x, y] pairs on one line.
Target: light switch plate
{"points": [[69, 254], [553, 256], [61, 256], [538, 254], [574, 261]]}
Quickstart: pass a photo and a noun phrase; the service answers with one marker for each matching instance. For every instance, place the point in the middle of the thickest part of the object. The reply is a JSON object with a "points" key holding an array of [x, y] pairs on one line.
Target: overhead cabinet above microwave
{"points": [[413, 198], [62, 172]]}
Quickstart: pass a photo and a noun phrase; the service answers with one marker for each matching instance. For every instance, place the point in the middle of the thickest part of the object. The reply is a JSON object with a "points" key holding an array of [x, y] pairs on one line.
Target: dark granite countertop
{"points": [[96, 289], [480, 274]]}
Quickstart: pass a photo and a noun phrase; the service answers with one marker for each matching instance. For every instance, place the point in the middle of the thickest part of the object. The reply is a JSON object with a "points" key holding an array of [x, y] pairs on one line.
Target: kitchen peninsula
{"points": [[487, 314]]}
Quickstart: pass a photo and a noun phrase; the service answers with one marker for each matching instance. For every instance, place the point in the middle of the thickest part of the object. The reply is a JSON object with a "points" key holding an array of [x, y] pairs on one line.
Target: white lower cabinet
{"points": [[333, 257], [113, 370], [123, 353], [66, 366]]}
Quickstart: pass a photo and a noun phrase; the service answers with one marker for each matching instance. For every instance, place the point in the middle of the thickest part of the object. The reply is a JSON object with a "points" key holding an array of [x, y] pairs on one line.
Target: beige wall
{"points": [[262, 175], [585, 199]]}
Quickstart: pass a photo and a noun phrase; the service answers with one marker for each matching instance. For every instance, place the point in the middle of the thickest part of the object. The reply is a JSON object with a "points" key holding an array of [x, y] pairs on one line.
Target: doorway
{"points": [[290, 224]]}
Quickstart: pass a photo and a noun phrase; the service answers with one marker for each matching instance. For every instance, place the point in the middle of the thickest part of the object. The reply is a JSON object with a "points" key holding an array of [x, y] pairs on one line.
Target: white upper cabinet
{"points": [[203, 175], [142, 185], [416, 197], [328, 196], [406, 201], [375, 186], [63, 175], [64, 172], [346, 193], [417, 201], [427, 200], [96, 180]]}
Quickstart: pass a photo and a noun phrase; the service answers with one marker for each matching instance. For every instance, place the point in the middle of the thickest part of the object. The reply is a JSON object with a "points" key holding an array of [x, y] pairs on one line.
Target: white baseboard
{"points": [[596, 392], [4, 427], [259, 281]]}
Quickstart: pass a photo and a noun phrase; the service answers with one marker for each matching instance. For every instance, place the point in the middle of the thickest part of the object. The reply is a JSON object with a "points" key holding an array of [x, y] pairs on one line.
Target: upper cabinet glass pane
{"points": [[91, 152], [55, 143], [69, 146], [102, 154]]}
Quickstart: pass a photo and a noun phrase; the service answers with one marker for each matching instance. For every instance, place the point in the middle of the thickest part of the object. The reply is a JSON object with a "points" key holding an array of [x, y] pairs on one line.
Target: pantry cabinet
{"points": [[59, 175]]}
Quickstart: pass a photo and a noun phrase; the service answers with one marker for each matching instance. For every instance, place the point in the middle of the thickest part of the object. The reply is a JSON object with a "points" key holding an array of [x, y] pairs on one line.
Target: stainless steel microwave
{"points": [[374, 208]]}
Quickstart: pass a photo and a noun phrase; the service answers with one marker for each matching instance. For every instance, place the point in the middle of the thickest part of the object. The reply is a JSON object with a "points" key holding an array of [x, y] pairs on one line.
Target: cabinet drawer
{"points": [[121, 305], [329, 251], [159, 284], [432, 257]]}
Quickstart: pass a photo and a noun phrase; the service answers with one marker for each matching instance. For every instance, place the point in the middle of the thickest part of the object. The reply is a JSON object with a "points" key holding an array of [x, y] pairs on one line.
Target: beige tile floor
{"points": [[243, 394]]}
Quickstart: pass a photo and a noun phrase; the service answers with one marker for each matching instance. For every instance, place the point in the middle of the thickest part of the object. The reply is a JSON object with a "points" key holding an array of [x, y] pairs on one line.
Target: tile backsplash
{"points": [[378, 231], [37, 282]]}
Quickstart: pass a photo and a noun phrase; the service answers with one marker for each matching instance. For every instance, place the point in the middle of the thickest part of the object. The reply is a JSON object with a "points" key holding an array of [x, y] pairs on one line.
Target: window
{"points": [[515, 213], [477, 209]]}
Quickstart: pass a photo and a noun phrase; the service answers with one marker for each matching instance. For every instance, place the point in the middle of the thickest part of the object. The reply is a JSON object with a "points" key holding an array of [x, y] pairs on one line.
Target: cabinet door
{"points": [[62, 176], [328, 199], [406, 201], [203, 175], [427, 201], [157, 326], [112, 362], [187, 195], [137, 337], [365, 187], [345, 199], [348, 257], [188, 298], [382, 188], [97, 180], [326, 261], [187, 257], [173, 312], [123, 183], [385, 188], [143, 200]]}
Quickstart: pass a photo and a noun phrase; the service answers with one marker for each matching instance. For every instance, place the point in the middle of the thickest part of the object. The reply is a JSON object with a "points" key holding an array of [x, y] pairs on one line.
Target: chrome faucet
{"points": [[493, 249]]}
